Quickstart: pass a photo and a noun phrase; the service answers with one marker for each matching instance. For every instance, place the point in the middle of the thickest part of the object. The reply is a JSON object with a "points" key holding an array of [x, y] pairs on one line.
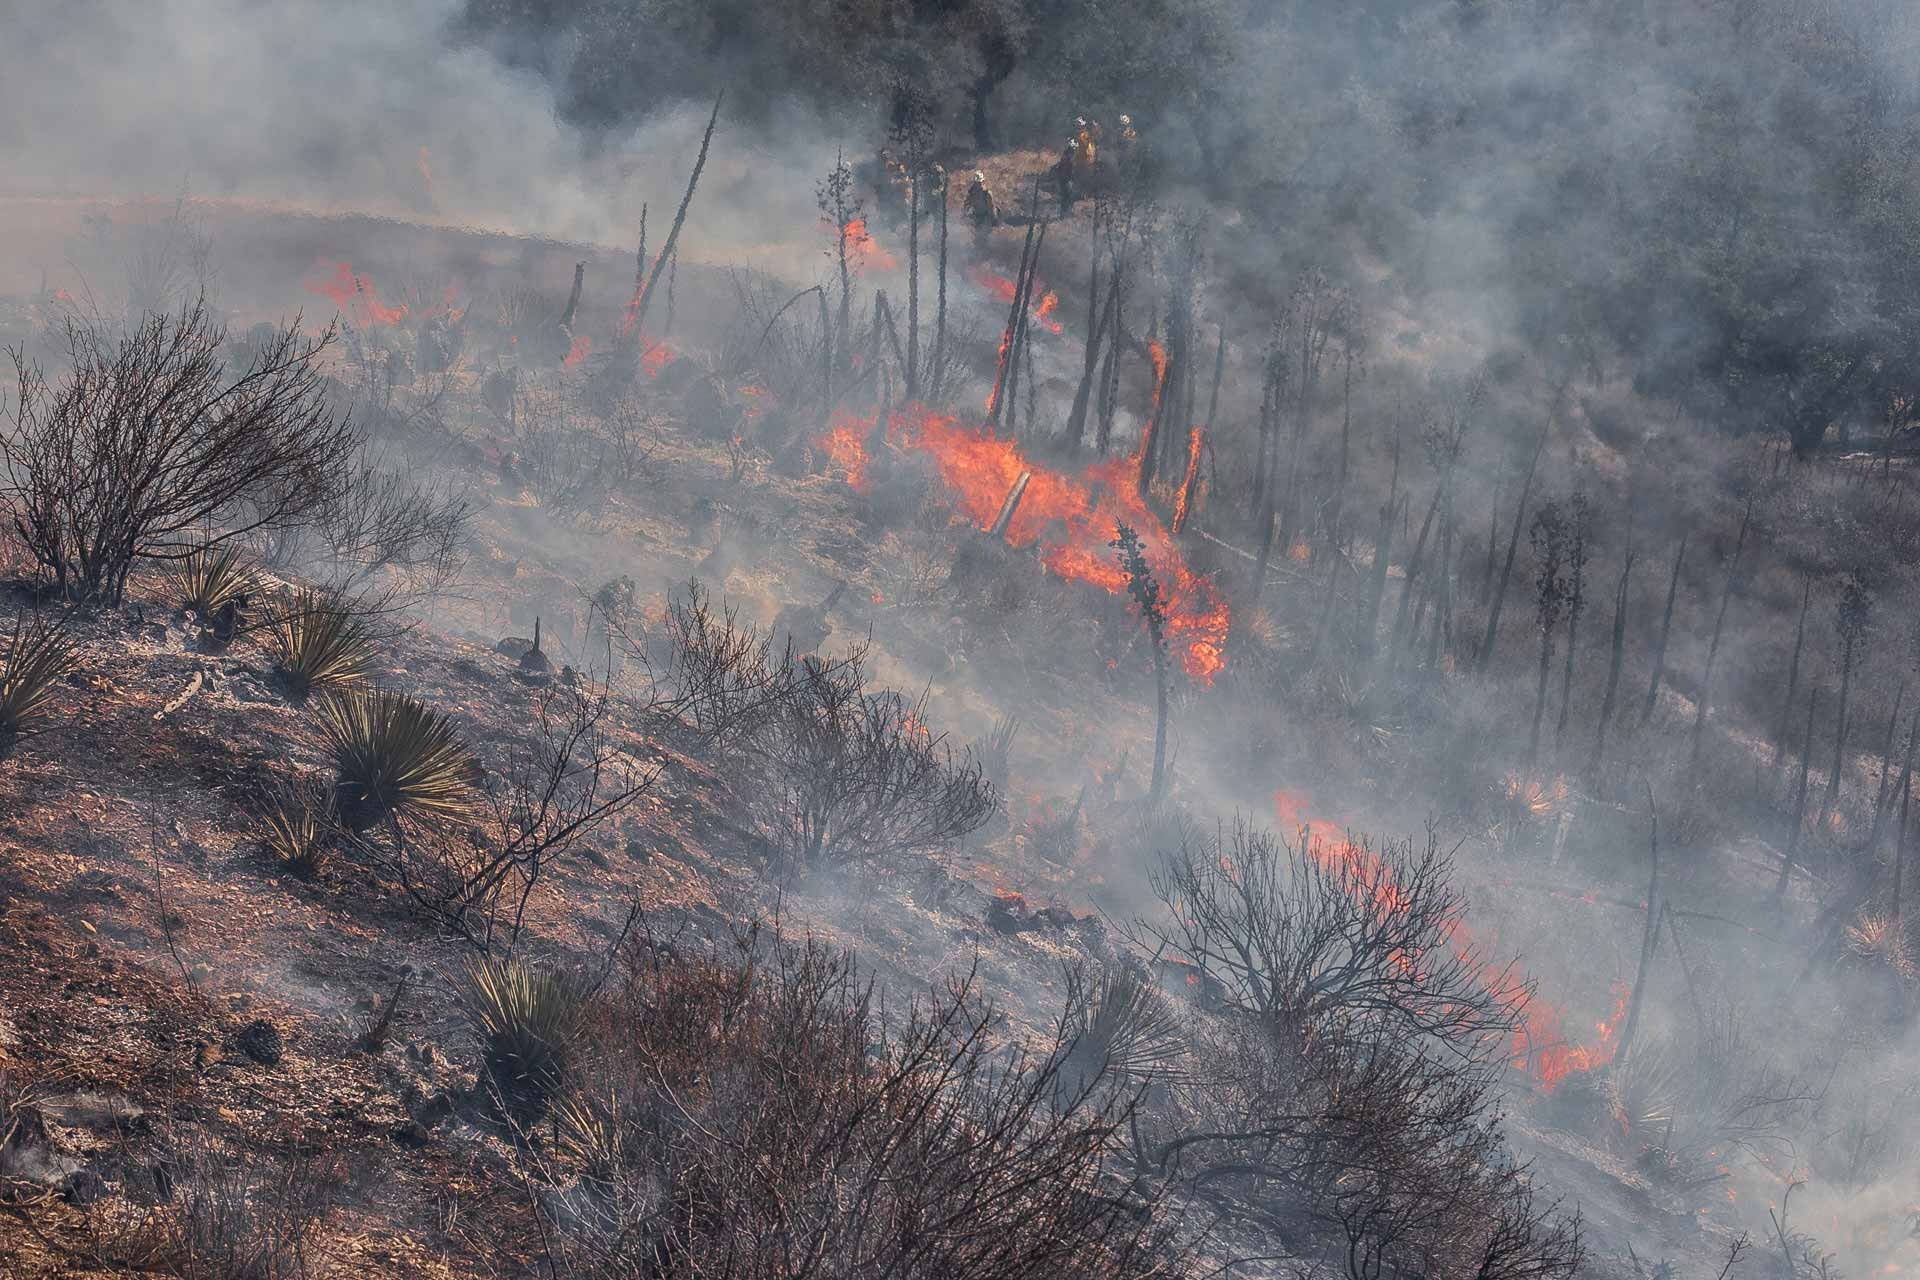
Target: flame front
{"points": [[1180, 512], [1069, 519], [355, 296], [582, 348]]}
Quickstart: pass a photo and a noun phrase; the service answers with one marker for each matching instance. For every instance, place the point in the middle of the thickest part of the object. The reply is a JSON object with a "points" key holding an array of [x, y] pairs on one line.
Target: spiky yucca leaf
{"points": [[1127, 1023], [394, 754], [210, 577], [1880, 938], [39, 652], [299, 825], [321, 643], [526, 1020]]}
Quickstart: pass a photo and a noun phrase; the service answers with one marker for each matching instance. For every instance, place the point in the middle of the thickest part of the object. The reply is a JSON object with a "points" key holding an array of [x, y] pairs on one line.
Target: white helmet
{"points": [[980, 177], [1126, 119], [1080, 122]]}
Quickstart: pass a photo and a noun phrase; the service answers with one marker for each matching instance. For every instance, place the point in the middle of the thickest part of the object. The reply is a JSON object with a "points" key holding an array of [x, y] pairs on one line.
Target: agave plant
{"points": [[300, 824], [210, 577], [527, 1021], [396, 755], [1122, 1026], [321, 643], [39, 652]]}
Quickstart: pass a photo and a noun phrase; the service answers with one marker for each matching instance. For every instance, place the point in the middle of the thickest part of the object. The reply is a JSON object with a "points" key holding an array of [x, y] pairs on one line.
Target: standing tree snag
{"points": [[150, 450], [1853, 618], [1146, 596], [1618, 657], [1549, 535], [1666, 631], [1713, 647]]}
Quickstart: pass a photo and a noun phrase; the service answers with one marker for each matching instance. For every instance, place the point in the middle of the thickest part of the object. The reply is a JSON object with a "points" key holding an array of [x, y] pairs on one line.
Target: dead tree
{"points": [[1145, 591], [1886, 769], [1549, 536], [1666, 630], [1648, 936], [1799, 800], [1579, 536], [1793, 677], [1705, 695], [1852, 619], [939, 362], [997, 396], [1615, 661], [1906, 794], [1369, 625], [840, 209], [679, 221], [912, 132], [1513, 542]]}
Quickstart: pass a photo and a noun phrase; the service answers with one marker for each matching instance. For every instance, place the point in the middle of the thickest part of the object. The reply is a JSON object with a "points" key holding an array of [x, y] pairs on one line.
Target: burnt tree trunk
{"points": [[1705, 695], [1615, 661], [1666, 631], [1886, 770], [1647, 937], [1799, 800], [1793, 678], [1839, 735], [1513, 548], [1906, 794]]}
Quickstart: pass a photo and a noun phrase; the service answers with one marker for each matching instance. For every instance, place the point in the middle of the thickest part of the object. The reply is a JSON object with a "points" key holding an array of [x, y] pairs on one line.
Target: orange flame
{"points": [[866, 249], [582, 348], [655, 358], [845, 445], [1070, 520], [1540, 1046], [1186, 484], [1045, 309], [1003, 289], [1159, 354], [353, 295]]}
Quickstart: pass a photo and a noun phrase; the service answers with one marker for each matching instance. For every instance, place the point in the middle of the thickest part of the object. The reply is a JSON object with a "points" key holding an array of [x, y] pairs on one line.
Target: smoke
{"points": [[363, 107]]}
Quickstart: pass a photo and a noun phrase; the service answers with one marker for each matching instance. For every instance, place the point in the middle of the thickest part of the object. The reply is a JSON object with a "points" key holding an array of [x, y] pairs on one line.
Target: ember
{"points": [[354, 295], [1070, 519], [1003, 289]]}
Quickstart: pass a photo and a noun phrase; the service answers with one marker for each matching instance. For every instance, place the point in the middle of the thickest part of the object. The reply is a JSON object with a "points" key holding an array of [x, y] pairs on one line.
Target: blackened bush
{"points": [[754, 1115], [148, 441], [839, 774]]}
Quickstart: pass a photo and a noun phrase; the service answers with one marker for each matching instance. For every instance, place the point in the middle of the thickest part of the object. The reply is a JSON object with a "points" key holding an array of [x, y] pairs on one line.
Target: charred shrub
{"points": [[1345, 1079], [751, 1106], [148, 439], [299, 827], [837, 773], [214, 582], [233, 1216]]}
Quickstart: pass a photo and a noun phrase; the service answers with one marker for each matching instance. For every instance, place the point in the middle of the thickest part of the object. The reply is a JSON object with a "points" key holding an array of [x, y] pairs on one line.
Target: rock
{"points": [[260, 1040], [515, 647]]}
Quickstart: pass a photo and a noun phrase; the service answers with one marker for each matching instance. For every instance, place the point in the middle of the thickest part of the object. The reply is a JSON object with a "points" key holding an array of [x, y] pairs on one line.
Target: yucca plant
{"points": [[396, 755], [211, 577], [527, 1021], [39, 652], [321, 643], [300, 823]]}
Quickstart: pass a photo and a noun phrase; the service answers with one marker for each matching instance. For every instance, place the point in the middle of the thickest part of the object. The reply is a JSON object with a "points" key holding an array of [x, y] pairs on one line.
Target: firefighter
{"points": [[1128, 143], [1087, 135], [980, 209], [1063, 174]]}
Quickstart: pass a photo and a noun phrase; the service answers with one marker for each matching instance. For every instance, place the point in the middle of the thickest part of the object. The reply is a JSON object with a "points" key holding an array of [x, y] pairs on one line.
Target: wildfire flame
{"points": [[1003, 290], [867, 250], [582, 348], [354, 295], [1540, 1045], [1070, 519], [1180, 512], [846, 447], [655, 358]]}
